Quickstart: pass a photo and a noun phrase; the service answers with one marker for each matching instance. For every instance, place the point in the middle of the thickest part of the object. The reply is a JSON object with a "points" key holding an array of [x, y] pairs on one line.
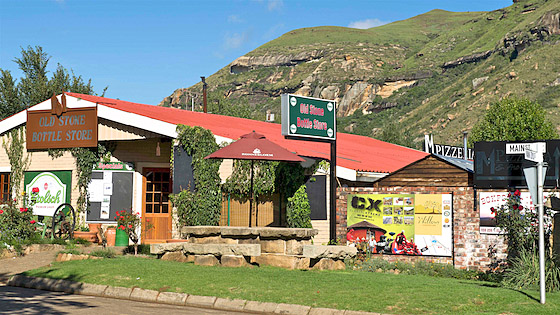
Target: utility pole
{"points": [[204, 86]]}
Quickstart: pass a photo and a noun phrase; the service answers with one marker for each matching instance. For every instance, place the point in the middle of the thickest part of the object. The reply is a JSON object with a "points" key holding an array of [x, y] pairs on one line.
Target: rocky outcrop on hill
{"points": [[246, 63], [467, 59]]}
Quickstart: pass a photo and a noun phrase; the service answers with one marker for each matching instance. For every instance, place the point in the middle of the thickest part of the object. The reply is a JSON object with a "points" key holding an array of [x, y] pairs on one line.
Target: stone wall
{"points": [[243, 246], [470, 248]]}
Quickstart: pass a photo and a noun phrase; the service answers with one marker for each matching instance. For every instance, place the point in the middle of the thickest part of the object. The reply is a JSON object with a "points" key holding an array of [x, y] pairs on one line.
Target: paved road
{"points": [[15, 300]]}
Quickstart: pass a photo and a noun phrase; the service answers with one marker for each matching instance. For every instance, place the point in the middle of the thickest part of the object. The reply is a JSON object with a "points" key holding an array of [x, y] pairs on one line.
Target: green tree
{"points": [[513, 119], [35, 86]]}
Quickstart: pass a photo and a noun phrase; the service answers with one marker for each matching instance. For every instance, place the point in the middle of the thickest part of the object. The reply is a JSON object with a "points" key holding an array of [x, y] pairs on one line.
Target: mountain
{"points": [[434, 73]]}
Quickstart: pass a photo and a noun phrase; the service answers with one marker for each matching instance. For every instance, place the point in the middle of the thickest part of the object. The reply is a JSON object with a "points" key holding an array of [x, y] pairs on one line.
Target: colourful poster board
{"points": [[425, 219]]}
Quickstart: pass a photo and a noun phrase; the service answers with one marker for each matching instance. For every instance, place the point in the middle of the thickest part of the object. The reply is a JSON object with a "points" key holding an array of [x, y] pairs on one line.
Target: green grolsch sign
{"points": [[308, 117]]}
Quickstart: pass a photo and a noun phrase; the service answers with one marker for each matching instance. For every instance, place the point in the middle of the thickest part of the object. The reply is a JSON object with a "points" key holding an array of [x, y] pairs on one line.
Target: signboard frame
{"points": [[65, 177], [422, 211], [496, 166], [306, 117], [47, 131]]}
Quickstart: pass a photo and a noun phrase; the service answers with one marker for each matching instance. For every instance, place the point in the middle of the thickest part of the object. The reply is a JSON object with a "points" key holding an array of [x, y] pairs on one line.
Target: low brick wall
{"points": [[470, 247]]}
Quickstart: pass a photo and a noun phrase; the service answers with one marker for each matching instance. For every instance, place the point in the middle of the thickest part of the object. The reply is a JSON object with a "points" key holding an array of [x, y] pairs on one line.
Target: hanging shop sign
{"points": [[499, 164], [308, 117], [48, 189], [421, 223], [61, 127]]}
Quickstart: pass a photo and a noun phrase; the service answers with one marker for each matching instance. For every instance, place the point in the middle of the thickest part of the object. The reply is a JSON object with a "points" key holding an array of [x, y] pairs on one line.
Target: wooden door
{"points": [[156, 207]]}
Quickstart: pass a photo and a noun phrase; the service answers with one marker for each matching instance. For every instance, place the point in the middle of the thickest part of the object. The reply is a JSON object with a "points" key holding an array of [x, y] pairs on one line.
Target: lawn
{"points": [[354, 290]]}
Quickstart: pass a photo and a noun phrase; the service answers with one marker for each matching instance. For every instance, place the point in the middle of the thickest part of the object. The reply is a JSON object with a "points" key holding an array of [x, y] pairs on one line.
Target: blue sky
{"points": [[144, 50]]}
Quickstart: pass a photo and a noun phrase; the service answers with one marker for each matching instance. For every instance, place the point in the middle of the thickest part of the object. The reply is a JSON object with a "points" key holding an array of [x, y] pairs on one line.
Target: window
{"points": [[5, 191]]}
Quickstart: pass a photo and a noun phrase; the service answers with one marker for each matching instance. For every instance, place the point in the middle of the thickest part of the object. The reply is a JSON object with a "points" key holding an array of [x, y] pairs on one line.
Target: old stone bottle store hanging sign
{"points": [[61, 127]]}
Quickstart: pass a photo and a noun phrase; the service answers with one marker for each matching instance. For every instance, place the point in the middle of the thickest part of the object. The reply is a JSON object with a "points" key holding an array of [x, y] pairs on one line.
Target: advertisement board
{"points": [[426, 220], [488, 200], [308, 117], [54, 189], [499, 164]]}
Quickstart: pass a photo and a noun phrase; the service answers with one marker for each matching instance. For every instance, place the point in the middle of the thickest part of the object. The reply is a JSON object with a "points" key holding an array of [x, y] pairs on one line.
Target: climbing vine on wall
{"points": [[202, 206], [18, 162]]}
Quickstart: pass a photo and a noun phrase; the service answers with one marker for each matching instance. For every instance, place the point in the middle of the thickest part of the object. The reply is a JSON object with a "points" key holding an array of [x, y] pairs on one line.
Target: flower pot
{"points": [[121, 238], [94, 227], [89, 236], [111, 235]]}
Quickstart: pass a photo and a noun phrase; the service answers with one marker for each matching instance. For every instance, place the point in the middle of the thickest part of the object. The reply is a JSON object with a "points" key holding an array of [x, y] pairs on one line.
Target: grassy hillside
{"points": [[511, 51]]}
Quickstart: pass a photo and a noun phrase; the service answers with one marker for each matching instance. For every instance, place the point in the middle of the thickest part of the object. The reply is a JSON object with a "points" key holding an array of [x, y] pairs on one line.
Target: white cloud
{"points": [[235, 40], [234, 18], [275, 5], [369, 23]]}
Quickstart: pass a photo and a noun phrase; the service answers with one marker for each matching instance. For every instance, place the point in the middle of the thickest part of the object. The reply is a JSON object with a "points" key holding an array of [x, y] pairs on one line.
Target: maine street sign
{"points": [[308, 117], [499, 164]]}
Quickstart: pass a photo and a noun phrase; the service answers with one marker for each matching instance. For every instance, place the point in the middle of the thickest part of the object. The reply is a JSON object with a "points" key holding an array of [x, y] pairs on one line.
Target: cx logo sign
{"points": [[365, 203]]}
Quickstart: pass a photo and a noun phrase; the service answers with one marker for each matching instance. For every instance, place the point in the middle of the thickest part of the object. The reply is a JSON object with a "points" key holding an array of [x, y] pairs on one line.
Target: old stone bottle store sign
{"points": [[73, 128]]}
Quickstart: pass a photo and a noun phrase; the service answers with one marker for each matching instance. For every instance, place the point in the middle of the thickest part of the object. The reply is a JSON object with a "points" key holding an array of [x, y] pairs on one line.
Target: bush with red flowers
{"points": [[17, 224], [520, 225], [129, 222]]}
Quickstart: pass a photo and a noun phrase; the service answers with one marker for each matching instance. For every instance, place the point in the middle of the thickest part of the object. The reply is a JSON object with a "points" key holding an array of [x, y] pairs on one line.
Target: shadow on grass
{"points": [[497, 285], [49, 274]]}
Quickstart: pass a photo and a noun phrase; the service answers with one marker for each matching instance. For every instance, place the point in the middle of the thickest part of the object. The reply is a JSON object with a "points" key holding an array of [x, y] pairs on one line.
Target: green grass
{"points": [[354, 290]]}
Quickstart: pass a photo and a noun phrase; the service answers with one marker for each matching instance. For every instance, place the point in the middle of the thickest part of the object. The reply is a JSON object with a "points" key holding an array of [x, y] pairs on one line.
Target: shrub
{"points": [[523, 272], [104, 253], [17, 226], [299, 210]]}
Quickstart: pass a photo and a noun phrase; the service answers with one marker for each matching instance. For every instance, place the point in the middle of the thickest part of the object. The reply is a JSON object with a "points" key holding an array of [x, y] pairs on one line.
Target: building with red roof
{"points": [[143, 137]]}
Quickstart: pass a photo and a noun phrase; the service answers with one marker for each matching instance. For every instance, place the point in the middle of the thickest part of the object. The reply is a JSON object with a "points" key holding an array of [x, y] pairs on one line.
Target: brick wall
{"points": [[470, 250]]}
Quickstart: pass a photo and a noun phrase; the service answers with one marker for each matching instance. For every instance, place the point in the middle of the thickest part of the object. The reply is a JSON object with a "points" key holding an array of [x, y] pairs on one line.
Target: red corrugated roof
{"points": [[353, 152]]}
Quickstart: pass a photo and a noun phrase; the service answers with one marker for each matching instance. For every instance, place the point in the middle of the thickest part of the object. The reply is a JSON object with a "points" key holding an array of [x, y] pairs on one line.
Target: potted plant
{"points": [[86, 234], [129, 223]]}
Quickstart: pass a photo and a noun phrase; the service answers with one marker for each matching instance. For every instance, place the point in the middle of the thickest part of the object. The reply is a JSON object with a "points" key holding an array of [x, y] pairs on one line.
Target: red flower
{"points": [[122, 218], [122, 227], [516, 193], [1, 211], [35, 189], [514, 207], [130, 226], [492, 210], [32, 221], [520, 207], [147, 220]]}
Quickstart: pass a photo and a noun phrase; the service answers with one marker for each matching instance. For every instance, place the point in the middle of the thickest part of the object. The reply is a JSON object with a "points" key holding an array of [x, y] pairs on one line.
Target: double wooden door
{"points": [[156, 206]]}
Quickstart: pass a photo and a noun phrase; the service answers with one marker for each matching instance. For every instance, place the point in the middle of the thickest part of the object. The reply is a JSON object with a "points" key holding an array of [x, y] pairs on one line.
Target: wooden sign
{"points": [[75, 128]]}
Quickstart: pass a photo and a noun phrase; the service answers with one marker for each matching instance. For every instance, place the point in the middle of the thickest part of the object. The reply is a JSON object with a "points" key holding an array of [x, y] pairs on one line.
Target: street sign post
{"points": [[534, 152]]}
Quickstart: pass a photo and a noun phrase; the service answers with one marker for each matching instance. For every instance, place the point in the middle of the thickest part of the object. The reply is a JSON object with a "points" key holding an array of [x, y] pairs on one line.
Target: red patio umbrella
{"points": [[254, 146]]}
